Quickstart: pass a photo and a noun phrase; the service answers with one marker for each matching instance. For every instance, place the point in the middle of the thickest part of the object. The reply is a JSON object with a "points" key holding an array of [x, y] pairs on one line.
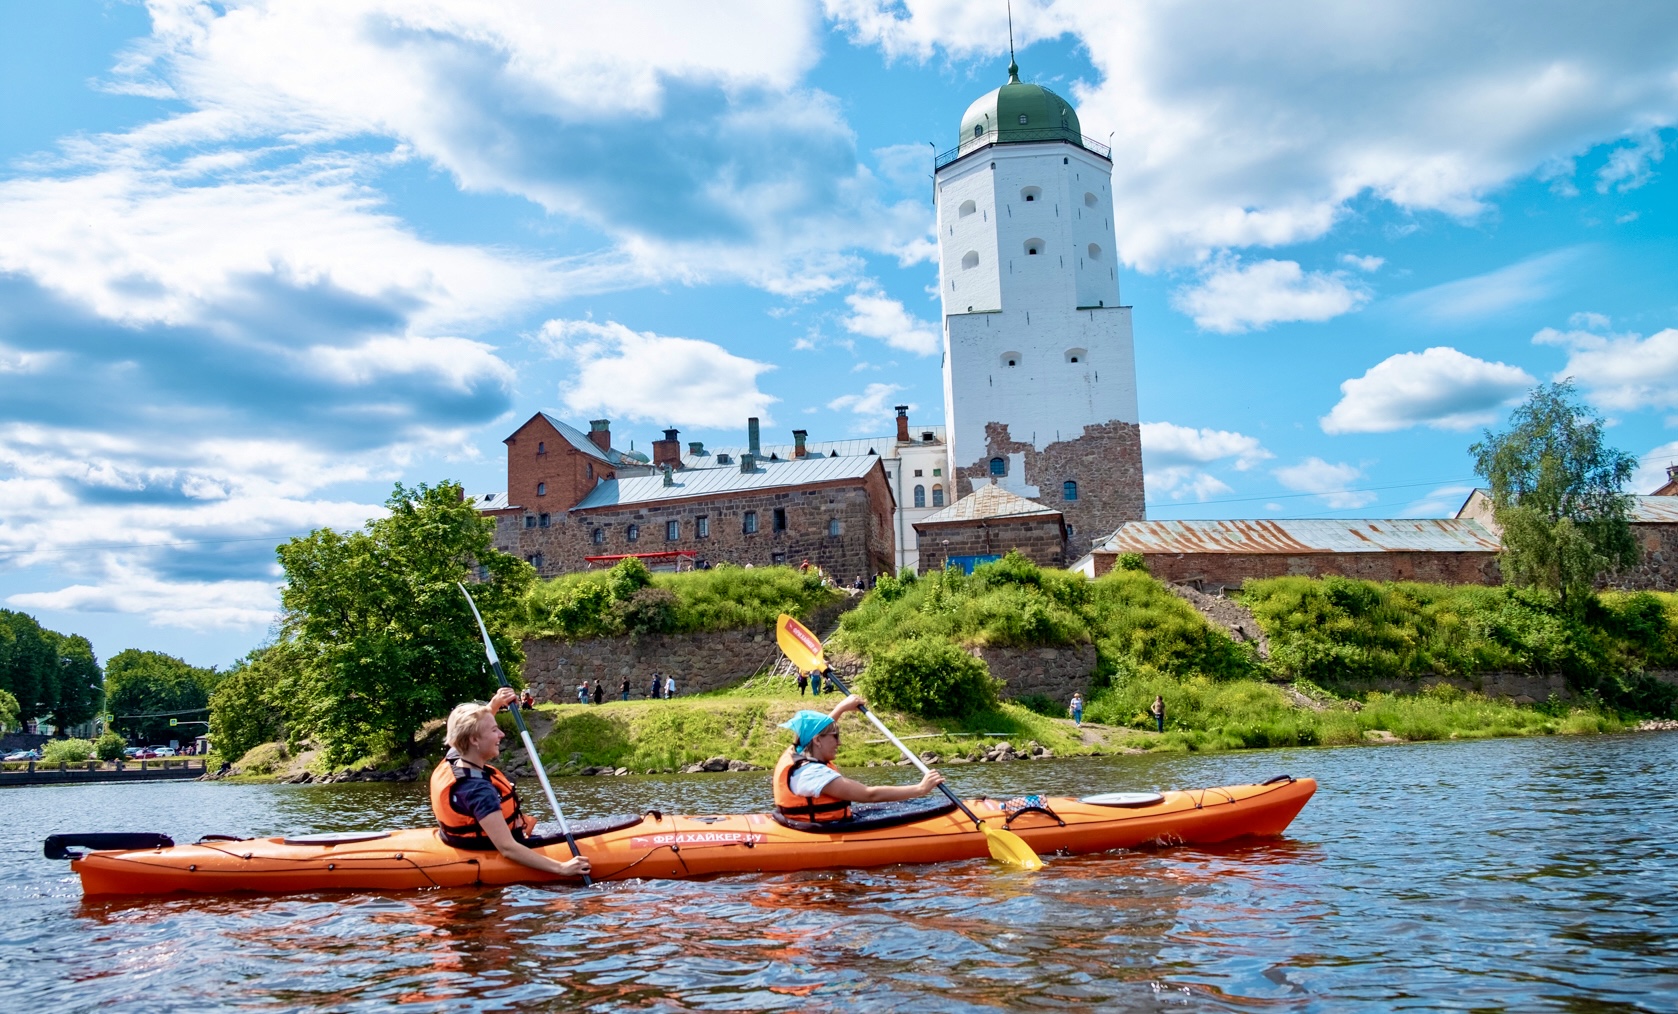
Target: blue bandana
{"points": [[807, 725]]}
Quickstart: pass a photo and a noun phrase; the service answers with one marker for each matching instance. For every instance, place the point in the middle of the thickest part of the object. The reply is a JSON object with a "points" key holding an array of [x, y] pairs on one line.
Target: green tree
{"points": [[245, 710], [932, 677], [51, 675], [384, 639], [1557, 493], [8, 710], [110, 746], [144, 689]]}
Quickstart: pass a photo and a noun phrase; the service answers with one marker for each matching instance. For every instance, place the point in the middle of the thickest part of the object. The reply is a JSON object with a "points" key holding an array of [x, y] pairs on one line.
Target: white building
{"points": [[1039, 370]]}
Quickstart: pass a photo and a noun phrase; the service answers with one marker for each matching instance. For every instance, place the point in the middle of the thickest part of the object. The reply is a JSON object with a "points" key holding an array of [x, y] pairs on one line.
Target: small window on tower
{"points": [[1024, 119], [1090, 200], [542, 521], [530, 521], [1069, 490], [999, 466], [632, 533], [1011, 359], [920, 496], [598, 536], [937, 496], [1031, 193], [834, 528], [1095, 251], [978, 130], [541, 489], [591, 470], [541, 447], [1076, 355], [1033, 247], [970, 259], [967, 208]]}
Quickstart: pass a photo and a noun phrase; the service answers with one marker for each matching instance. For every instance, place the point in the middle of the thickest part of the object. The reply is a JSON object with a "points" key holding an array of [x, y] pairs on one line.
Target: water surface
{"points": [[1533, 874]]}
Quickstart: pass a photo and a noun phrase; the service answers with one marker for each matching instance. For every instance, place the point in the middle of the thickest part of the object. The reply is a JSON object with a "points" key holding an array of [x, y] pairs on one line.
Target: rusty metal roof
{"points": [[696, 482], [1302, 535], [989, 501], [1655, 510]]}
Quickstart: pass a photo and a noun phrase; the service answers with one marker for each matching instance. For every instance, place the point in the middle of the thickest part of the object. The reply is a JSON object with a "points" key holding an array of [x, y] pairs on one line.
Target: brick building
{"points": [[985, 526], [1218, 555], [1654, 524]]}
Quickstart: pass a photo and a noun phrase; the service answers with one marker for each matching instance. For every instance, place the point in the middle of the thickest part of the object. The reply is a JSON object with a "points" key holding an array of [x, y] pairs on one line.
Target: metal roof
{"points": [[578, 439], [1655, 510], [695, 482], [490, 501], [883, 446], [989, 501], [1303, 535]]}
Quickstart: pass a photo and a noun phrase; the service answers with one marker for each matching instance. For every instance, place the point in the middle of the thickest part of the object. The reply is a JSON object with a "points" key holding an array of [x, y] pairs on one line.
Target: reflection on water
{"points": [[1512, 874]]}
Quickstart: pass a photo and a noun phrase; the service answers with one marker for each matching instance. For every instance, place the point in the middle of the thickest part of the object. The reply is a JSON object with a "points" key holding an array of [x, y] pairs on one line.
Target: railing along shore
{"points": [[162, 769]]}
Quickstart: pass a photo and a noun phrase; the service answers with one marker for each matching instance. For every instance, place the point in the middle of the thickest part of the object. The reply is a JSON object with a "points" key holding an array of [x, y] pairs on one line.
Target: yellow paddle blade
{"points": [[1008, 847], [802, 648]]}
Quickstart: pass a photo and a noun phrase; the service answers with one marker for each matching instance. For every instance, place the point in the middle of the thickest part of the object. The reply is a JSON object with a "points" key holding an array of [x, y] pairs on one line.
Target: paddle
{"points": [[805, 652], [524, 733]]}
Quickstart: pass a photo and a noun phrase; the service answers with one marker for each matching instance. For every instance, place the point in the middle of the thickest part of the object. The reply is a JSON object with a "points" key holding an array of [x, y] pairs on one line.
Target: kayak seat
{"points": [[548, 833], [872, 816]]}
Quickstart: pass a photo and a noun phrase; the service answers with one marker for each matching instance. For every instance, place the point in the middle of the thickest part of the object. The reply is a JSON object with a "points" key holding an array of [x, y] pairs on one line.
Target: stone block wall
{"points": [[1658, 570], [1057, 673], [1041, 538], [1211, 572], [1105, 462]]}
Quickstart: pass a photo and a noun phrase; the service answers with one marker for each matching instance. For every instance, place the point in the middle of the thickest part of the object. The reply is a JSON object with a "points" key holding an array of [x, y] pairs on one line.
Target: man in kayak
{"points": [[475, 804], [808, 787]]}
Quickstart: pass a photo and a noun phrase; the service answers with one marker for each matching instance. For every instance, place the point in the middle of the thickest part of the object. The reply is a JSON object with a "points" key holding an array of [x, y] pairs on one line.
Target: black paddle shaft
{"points": [[836, 681]]}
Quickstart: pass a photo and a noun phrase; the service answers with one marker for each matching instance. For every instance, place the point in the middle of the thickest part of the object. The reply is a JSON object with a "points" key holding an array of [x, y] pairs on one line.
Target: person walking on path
{"points": [[1157, 709], [669, 687], [582, 692], [626, 688], [803, 683], [816, 683], [1078, 710], [652, 691], [599, 692]]}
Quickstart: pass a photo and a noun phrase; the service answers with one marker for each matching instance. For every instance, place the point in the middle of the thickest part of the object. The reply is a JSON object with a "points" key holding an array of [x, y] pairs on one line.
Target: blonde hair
{"points": [[463, 724]]}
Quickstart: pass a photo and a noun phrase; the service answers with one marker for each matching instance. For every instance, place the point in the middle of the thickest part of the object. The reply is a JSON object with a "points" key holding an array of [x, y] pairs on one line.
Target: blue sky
{"points": [[260, 261]]}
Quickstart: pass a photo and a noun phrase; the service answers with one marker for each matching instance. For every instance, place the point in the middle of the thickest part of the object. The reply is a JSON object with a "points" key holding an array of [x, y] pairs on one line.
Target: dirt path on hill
{"points": [[1235, 619]]}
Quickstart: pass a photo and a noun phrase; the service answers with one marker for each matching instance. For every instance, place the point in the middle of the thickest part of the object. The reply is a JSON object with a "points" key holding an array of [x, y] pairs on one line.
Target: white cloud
{"points": [[1619, 372], [1368, 265], [1260, 125], [1439, 387], [194, 605], [1651, 468], [1483, 296], [875, 315], [655, 378], [1233, 297], [1631, 166], [872, 403], [1329, 481], [1439, 503], [1175, 458]]}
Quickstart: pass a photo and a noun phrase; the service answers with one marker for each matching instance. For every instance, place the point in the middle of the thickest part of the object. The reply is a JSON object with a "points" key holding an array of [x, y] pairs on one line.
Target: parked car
{"points": [[21, 755], [131, 752], [163, 751], [143, 753]]}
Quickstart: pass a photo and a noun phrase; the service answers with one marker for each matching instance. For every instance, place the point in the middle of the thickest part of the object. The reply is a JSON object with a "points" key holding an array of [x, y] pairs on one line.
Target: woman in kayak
{"points": [[475, 804], [808, 787]]}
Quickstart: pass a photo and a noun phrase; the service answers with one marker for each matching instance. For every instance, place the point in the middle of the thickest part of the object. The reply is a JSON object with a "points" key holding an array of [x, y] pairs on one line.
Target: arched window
{"points": [[978, 130], [937, 496], [1024, 119], [920, 496], [591, 470], [967, 208], [1090, 200], [1010, 360], [834, 528], [999, 466], [541, 447], [598, 536], [1031, 193], [632, 533], [970, 259], [1076, 355], [1069, 490], [541, 489], [1095, 252], [1033, 247]]}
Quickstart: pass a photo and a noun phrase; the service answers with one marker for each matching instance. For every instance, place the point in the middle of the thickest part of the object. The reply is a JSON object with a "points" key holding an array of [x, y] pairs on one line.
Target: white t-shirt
{"points": [[811, 779]]}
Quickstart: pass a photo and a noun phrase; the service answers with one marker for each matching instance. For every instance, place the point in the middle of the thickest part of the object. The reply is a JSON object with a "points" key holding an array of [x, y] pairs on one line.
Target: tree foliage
{"points": [[50, 675], [67, 751], [144, 689], [248, 708], [383, 641], [109, 747], [1556, 491], [930, 677], [8, 710]]}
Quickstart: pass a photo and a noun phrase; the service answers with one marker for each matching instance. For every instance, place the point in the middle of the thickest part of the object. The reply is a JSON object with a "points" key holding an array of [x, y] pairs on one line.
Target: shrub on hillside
{"points": [[628, 599], [647, 611], [110, 746], [932, 678], [66, 751]]}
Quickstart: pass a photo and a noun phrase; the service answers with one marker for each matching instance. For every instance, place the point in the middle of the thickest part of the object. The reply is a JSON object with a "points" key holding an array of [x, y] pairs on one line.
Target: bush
{"points": [[110, 746], [627, 599], [647, 611], [1132, 561], [67, 751], [932, 678]]}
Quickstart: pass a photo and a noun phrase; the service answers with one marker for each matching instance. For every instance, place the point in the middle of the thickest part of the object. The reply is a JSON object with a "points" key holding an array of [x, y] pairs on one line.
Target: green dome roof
{"points": [[1019, 112]]}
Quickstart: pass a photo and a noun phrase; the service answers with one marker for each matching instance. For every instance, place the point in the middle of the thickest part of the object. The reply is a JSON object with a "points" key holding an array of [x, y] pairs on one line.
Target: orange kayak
{"points": [[657, 845]]}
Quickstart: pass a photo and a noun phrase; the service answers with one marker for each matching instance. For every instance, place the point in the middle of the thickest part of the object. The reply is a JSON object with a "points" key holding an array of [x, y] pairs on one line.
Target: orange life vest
{"points": [[459, 829], [812, 808]]}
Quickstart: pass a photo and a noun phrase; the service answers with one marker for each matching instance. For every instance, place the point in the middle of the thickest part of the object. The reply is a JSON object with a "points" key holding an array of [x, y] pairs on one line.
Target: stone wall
{"points": [[865, 545], [1056, 673], [1658, 570], [1212, 572], [1041, 538], [1105, 462]]}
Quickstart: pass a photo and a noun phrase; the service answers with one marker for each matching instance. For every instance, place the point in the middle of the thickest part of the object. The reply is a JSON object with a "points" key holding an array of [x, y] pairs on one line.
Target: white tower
{"points": [[1039, 370]]}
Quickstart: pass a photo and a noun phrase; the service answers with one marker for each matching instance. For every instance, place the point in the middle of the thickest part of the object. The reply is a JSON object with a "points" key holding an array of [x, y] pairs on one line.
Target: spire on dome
{"points": [[1013, 65]]}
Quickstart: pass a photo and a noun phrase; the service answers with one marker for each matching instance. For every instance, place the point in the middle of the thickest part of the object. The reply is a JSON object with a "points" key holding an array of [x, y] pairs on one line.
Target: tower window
{"points": [[1011, 359], [1095, 251], [541, 447], [978, 129], [598, 536], [591, 470], [1076, 355], [967, 208], [834, 528], [541, 489], [748, 523], [920, 496], [999, 466], [543, 521], [937, 496], [1033, 246], [1031, 193], [632, 533], [1090, 200], [1069, 490], [970, 259], [530, 521], [1024, 119]]}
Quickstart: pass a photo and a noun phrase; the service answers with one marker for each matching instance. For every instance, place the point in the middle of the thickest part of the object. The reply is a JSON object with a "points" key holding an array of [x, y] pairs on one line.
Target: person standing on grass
{"points": [[582, 692], [669, 687], [626, 688], [803, 683], [1078, 710], [1157, 709], [599, 692]]}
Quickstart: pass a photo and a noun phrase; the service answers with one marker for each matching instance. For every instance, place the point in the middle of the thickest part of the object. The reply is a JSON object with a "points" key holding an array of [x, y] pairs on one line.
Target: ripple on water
{"points": [[1516, 874]]}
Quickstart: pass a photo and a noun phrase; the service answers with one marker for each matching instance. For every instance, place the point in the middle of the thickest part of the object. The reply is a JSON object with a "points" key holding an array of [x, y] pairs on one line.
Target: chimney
{"points": [[902, 424], [798, 438], [668, 451], [1672, 472], [696, 449], [600, 431], [748, 461], [751, 437], [669, 479]]}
